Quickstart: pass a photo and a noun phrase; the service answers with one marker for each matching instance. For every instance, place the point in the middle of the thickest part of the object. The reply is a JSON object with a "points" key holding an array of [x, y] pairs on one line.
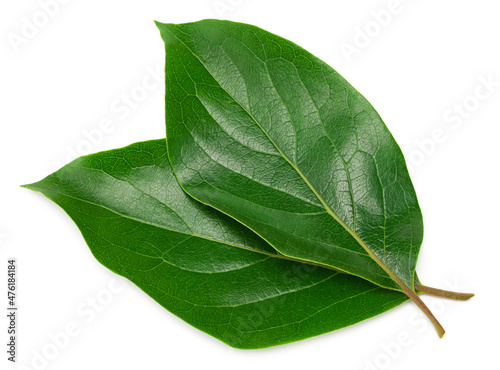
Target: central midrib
{"points": [[277, 255]]}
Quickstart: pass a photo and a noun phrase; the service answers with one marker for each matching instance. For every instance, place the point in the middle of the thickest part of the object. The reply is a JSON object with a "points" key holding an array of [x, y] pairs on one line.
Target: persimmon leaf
{"points": [[199, 264], [269, 134]]}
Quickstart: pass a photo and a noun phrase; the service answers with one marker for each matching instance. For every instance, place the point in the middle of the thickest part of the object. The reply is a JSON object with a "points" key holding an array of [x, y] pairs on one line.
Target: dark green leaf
{"points": [[196, 262], [267, 133]]}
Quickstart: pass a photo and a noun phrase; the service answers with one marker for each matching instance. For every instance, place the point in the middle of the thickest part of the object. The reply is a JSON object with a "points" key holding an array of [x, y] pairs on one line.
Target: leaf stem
{"points": [[420, 304], [444, 293]]}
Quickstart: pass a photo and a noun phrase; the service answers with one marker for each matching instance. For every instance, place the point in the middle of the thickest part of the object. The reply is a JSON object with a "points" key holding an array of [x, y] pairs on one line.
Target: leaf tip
{"points": [[161, 26], [28, 186], [36, 186]]}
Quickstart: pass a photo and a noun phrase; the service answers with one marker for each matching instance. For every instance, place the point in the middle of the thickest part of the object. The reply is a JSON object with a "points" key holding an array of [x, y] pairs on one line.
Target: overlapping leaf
{"points": [[267, 133], [199, 264]]}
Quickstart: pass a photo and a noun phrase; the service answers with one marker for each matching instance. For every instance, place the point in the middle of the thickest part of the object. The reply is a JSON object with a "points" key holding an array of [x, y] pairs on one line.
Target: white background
{"points": [[416, 68]]}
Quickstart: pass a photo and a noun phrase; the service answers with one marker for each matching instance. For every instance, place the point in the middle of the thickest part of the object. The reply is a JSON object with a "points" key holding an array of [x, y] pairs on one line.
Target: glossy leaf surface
{"points": [[262, 130], [199, 264]]}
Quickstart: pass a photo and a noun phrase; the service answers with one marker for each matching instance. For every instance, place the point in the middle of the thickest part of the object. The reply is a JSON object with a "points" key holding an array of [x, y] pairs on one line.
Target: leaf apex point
{"points": [[33, 187]]}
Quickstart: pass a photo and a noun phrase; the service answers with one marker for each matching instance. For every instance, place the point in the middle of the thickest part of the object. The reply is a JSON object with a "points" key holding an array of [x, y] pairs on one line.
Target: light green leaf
{"points": [[199, 264]]}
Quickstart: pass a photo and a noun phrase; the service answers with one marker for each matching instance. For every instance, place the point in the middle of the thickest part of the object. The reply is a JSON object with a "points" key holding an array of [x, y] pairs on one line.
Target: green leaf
{"points": [[267, 133], [199, 264]]}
